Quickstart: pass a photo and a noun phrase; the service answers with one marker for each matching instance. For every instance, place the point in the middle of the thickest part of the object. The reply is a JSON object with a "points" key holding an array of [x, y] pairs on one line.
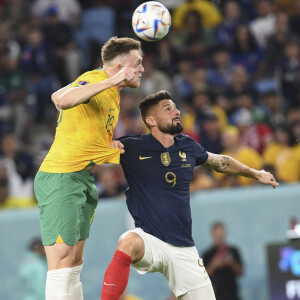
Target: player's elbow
{"points": [[63, 102]]}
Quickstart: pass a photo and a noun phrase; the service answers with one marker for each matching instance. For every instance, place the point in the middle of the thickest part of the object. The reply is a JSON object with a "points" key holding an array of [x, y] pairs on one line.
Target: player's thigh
{"points": [[89, 207], [203, 293], [61, 200]]}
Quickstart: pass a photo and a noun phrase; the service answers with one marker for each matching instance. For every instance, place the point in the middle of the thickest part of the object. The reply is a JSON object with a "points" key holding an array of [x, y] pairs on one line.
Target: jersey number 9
{"points": [[171, 178]]}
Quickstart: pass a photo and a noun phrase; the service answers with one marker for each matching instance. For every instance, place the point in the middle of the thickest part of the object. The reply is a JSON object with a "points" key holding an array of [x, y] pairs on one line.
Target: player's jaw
{"points": [[172, 128]]}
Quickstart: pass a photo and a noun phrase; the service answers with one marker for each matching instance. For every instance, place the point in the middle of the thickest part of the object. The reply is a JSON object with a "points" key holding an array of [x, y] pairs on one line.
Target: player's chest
{"points": [[166, 165]]}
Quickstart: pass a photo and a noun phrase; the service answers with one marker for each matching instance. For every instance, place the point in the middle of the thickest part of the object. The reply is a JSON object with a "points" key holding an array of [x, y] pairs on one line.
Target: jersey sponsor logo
{"points": [[182, 155], [82, 82], [165, 158], [144, 157]]}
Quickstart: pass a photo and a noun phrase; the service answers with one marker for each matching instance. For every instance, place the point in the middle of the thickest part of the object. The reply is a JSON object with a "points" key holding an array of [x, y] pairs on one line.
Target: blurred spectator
{"points": [[223, 264], [60, 37], [68, 10], [264, 25], [20, 170], [33, 272], [283, 154], [165, 59], [256, 136], [110, 181], [276, 41], [6, 112], [244, 154], [295, 19], [129, 119], [38, 65], [183, 80], [14, 84], [202, 180], [232, 17], [209, 13], [15, 13], [194, 38], [3, 185], [219, 74], [210, 134], [153, 80], [290, 72], [239, 85], [7, 43], [245, 50], [273, 109]]}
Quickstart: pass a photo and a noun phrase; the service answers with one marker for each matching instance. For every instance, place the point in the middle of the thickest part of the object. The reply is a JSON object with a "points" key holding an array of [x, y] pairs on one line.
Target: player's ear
{"points": [[150, 121]]}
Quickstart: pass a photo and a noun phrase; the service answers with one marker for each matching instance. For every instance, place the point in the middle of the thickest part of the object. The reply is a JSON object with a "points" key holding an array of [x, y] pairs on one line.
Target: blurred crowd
{"points": [[233, 68]]}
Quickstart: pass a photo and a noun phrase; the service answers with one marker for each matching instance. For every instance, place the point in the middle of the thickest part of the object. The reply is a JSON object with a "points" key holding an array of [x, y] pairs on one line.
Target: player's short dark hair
{"points": [[150, 101], [117, 46]]}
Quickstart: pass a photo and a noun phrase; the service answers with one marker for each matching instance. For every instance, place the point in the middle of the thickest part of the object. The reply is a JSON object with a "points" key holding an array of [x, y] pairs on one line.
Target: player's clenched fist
{"points": [[125, 74], [118, 145]]}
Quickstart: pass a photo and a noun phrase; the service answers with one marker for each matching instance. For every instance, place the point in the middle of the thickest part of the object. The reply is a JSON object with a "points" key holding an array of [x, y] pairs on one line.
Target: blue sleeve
{"points": [[129, 147], [200, 154]]}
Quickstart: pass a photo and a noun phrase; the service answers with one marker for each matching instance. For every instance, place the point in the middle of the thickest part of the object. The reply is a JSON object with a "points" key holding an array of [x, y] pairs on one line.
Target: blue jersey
{"points": [[158, 196]]}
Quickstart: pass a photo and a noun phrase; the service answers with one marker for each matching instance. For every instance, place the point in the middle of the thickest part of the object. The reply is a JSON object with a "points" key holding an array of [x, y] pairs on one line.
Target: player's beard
{"points": [[171, 128]]}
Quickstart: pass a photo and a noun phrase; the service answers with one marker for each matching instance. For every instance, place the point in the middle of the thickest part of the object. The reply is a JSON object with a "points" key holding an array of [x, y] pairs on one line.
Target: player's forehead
{"points": [[166, 102], [133, 56]]}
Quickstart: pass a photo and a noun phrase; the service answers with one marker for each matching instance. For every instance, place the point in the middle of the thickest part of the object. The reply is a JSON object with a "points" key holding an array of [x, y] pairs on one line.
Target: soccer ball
{"points": [[151, 21]]}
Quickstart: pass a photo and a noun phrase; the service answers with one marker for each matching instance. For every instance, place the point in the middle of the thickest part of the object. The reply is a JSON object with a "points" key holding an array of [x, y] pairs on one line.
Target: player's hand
{"points": [[118, 145], [125, 74], [266, 178]]}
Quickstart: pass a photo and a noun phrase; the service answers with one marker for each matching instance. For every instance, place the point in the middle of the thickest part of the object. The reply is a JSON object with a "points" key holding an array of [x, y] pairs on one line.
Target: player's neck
{"points": [[167, 140], [110, 72]]}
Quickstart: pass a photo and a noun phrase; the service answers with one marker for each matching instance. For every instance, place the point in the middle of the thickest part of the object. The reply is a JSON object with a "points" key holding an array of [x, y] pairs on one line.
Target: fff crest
{"points": [[165, 158]]}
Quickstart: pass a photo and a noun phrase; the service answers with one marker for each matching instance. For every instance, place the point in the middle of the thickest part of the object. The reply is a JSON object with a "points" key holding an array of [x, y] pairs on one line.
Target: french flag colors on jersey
{"points": [[158, 196]]}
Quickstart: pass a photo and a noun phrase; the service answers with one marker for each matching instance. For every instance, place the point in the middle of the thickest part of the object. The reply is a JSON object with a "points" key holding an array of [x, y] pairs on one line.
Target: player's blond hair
{"points": [[117, 46]]}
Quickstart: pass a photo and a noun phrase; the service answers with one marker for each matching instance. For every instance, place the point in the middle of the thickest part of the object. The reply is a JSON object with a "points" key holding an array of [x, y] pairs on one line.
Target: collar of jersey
{"points": [[151, 137]]}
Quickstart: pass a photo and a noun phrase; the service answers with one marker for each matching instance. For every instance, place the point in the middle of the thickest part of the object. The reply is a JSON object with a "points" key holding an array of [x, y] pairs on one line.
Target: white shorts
{"points": [[181, 266]]}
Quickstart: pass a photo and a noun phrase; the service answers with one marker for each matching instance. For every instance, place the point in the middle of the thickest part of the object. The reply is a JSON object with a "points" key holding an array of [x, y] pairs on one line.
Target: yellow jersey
{"points": [[84, 132], [285, 160]]}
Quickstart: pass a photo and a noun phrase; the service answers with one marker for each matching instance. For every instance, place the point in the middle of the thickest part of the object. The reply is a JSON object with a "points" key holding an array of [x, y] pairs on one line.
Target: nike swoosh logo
{"points": [[144, 157], [111, 109], [111, 284]]}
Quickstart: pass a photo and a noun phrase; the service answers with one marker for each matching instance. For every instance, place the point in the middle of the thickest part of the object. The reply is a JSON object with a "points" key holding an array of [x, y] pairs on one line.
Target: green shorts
{"points": [[67, 203]]}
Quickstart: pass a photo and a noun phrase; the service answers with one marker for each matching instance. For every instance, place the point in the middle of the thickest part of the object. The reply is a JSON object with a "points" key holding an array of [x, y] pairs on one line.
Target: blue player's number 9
{"points": [[171, 178]]}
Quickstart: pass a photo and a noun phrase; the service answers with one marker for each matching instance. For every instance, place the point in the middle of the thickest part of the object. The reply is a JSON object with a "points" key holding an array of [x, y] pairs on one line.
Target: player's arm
{"points": [[227, 164], [68, 97]]}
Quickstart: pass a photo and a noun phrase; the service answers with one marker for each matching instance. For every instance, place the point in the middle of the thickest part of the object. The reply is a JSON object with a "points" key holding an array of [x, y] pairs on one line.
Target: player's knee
{"points": [[133, 245]]}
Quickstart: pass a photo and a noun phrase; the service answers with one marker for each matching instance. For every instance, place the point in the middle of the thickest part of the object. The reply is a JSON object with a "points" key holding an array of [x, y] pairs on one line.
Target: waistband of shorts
{"points": [[82, 173]]}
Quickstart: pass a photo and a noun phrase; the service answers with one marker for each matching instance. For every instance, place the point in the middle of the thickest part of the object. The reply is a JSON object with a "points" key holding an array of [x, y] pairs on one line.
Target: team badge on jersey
{"points": [[165, 158], [82, 82], [182, 155]]}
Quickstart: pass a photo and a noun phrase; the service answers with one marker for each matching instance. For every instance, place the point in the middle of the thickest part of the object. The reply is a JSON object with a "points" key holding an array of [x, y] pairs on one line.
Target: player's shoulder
{"points": [[132, 138], [89, 77], [184, 138]]}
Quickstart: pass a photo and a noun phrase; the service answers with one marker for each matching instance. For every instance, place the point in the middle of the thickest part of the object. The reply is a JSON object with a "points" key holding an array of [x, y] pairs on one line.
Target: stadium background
{"points": [[233, 68]]}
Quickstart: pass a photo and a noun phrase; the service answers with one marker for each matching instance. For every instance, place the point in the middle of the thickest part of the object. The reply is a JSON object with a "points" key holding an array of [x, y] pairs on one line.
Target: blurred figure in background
{"points": [[283, 154], [244, 154], [223, 264], [33, 272]]}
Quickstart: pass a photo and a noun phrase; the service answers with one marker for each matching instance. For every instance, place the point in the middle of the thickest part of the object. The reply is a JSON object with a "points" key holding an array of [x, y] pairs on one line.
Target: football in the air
{"points": [[151, 21]]}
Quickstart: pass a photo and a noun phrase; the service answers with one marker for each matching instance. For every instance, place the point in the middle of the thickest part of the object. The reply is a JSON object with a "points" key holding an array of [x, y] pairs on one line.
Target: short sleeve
{"points": [[129, 147], [84, 79], [200, 154]]}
